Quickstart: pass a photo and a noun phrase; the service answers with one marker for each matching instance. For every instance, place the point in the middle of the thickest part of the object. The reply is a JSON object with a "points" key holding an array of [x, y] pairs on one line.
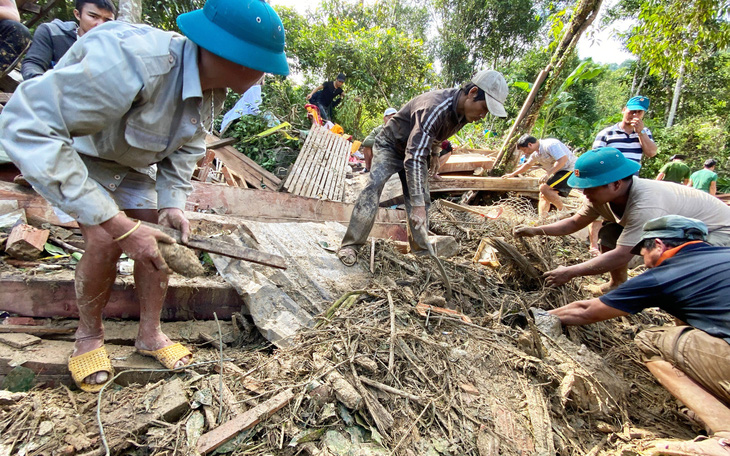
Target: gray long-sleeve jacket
{"points": [[50, 43]]}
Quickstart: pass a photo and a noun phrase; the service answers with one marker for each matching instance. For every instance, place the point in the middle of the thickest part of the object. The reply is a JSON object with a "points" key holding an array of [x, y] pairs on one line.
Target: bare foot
{"points": [[85, 344], [156, 341]]}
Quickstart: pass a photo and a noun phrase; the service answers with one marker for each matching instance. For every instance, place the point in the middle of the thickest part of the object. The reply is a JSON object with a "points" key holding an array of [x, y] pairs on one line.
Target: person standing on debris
{"points": [[52, 40], [123, 98], [406, 142], [367, 144], [675, 170], [556, 159], [613, 192], [706, 178], [14, 36], [632, 138], [690, 359], [327, 96]]}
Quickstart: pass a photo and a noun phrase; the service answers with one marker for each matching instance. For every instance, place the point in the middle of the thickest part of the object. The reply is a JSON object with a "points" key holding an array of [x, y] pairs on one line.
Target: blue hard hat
{"points": [[246, 32], [638, 103], [600, 167]]}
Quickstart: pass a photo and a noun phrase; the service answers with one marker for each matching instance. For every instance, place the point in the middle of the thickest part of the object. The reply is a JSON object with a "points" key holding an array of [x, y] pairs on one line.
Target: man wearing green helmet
{"points": [[113, 134], [613, 192]]}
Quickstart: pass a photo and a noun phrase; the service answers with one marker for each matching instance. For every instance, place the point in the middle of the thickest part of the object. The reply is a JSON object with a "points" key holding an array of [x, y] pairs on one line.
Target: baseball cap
{"points": [[495, 87], [341, 77], [246, 32], [389, 111], [600, 167], [638, 103], [678, 157], [672, 227]]}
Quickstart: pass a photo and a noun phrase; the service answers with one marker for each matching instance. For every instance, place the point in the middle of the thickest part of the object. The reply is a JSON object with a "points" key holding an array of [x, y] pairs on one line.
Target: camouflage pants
{"points": [[14, 37], [386, 162]]}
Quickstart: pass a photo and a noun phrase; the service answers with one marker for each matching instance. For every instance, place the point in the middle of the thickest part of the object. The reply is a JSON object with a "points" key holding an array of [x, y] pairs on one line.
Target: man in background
{"points": [[706, 178], [52, 40], [367, 144], [327, 96], [557, 160], [676, 170]]}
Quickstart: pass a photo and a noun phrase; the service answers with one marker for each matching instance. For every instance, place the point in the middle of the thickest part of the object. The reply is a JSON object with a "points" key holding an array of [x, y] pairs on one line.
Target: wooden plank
{"points": [[35, 330], [448, 183], [26, 242], [232, 160], [223, 433], [228, 177], [339, 183], [46, 296], [310, 164], [466, 162], [37, 209], [220, 143], [269, 179], [314, 187], [325, 182], [223, 248], [19, 340], [298, 166], [204, 165], [5, 97]]}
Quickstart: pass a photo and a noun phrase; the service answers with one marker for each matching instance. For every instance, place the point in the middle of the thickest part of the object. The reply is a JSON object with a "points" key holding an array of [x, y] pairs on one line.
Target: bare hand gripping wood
{"points": [[224, 248]]}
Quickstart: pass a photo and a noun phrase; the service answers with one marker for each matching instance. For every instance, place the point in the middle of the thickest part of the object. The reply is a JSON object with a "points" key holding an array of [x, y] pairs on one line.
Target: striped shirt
{"points": [[424, 122], [628, 144]]}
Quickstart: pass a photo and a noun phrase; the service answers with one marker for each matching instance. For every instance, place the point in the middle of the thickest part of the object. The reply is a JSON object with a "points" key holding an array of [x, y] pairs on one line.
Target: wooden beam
{"points": [[220, 143], [223, 433], [37, 209], [466, 162], [54, 295], [253, 204], [448, 183], [245, 166]]}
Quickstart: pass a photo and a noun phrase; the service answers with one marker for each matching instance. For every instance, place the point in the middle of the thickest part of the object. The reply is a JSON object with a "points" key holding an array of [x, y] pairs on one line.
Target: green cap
{"points": [[600, 167], [672, 227], [246, 32]]}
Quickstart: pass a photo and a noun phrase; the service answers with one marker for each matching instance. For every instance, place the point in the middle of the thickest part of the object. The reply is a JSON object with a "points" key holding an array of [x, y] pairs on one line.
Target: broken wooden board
{"points": [[54, 295], [226, 431], [265, 206], [254, 175], [458, 163], [19, 340], [37, 209], [320, 168], [451, 183], [282, 302], [166, 402]]}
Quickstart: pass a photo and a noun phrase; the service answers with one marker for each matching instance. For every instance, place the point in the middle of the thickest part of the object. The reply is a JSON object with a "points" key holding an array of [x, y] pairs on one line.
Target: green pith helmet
{"points": [[246, 32], [600, 167], [672, 227]]}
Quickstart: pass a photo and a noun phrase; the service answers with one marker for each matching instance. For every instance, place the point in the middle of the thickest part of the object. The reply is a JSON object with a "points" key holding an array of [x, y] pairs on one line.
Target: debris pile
{"points": [[392, 368]]}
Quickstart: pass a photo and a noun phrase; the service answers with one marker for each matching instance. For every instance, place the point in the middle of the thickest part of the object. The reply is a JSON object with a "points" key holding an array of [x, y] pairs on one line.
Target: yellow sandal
{"points": [[170, 355], [82, 366]]}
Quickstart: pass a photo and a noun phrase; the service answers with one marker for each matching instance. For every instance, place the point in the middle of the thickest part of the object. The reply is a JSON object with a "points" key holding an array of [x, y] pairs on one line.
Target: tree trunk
{"points": [[641, 83], [130, 11], [583, 15], [677, 91]]}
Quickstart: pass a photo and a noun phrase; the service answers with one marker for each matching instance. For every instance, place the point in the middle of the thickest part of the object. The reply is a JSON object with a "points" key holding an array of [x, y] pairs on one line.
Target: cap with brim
{"points": [[495, 89], [600, 167], [246, 32], [672, 227], [389, 111], [638, 103]]}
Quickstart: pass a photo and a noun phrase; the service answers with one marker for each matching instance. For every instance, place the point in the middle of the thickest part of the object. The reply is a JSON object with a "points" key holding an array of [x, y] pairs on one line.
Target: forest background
{"points": [[394, 50]]}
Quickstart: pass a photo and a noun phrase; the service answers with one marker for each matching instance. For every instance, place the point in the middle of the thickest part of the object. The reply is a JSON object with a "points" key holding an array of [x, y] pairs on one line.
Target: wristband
{"points": [[128, 233]]}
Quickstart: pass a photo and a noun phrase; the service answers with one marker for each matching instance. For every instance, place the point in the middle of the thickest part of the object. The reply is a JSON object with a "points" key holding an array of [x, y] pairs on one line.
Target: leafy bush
{"points": [[697, 138]]}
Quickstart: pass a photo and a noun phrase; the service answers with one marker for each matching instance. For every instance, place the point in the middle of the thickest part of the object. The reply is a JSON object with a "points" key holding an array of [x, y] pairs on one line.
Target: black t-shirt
{"points": [[327, 94], [693, 285]]}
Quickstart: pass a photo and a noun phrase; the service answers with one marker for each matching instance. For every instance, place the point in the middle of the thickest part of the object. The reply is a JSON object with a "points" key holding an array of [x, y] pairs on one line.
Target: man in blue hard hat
{"points": [[607, 179], [692, 358], [86, 136]]}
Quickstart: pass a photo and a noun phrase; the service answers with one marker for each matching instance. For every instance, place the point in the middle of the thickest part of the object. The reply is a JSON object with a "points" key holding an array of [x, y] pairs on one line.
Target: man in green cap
{"points": [[113, 135], [690, 359], [626, 202]]}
